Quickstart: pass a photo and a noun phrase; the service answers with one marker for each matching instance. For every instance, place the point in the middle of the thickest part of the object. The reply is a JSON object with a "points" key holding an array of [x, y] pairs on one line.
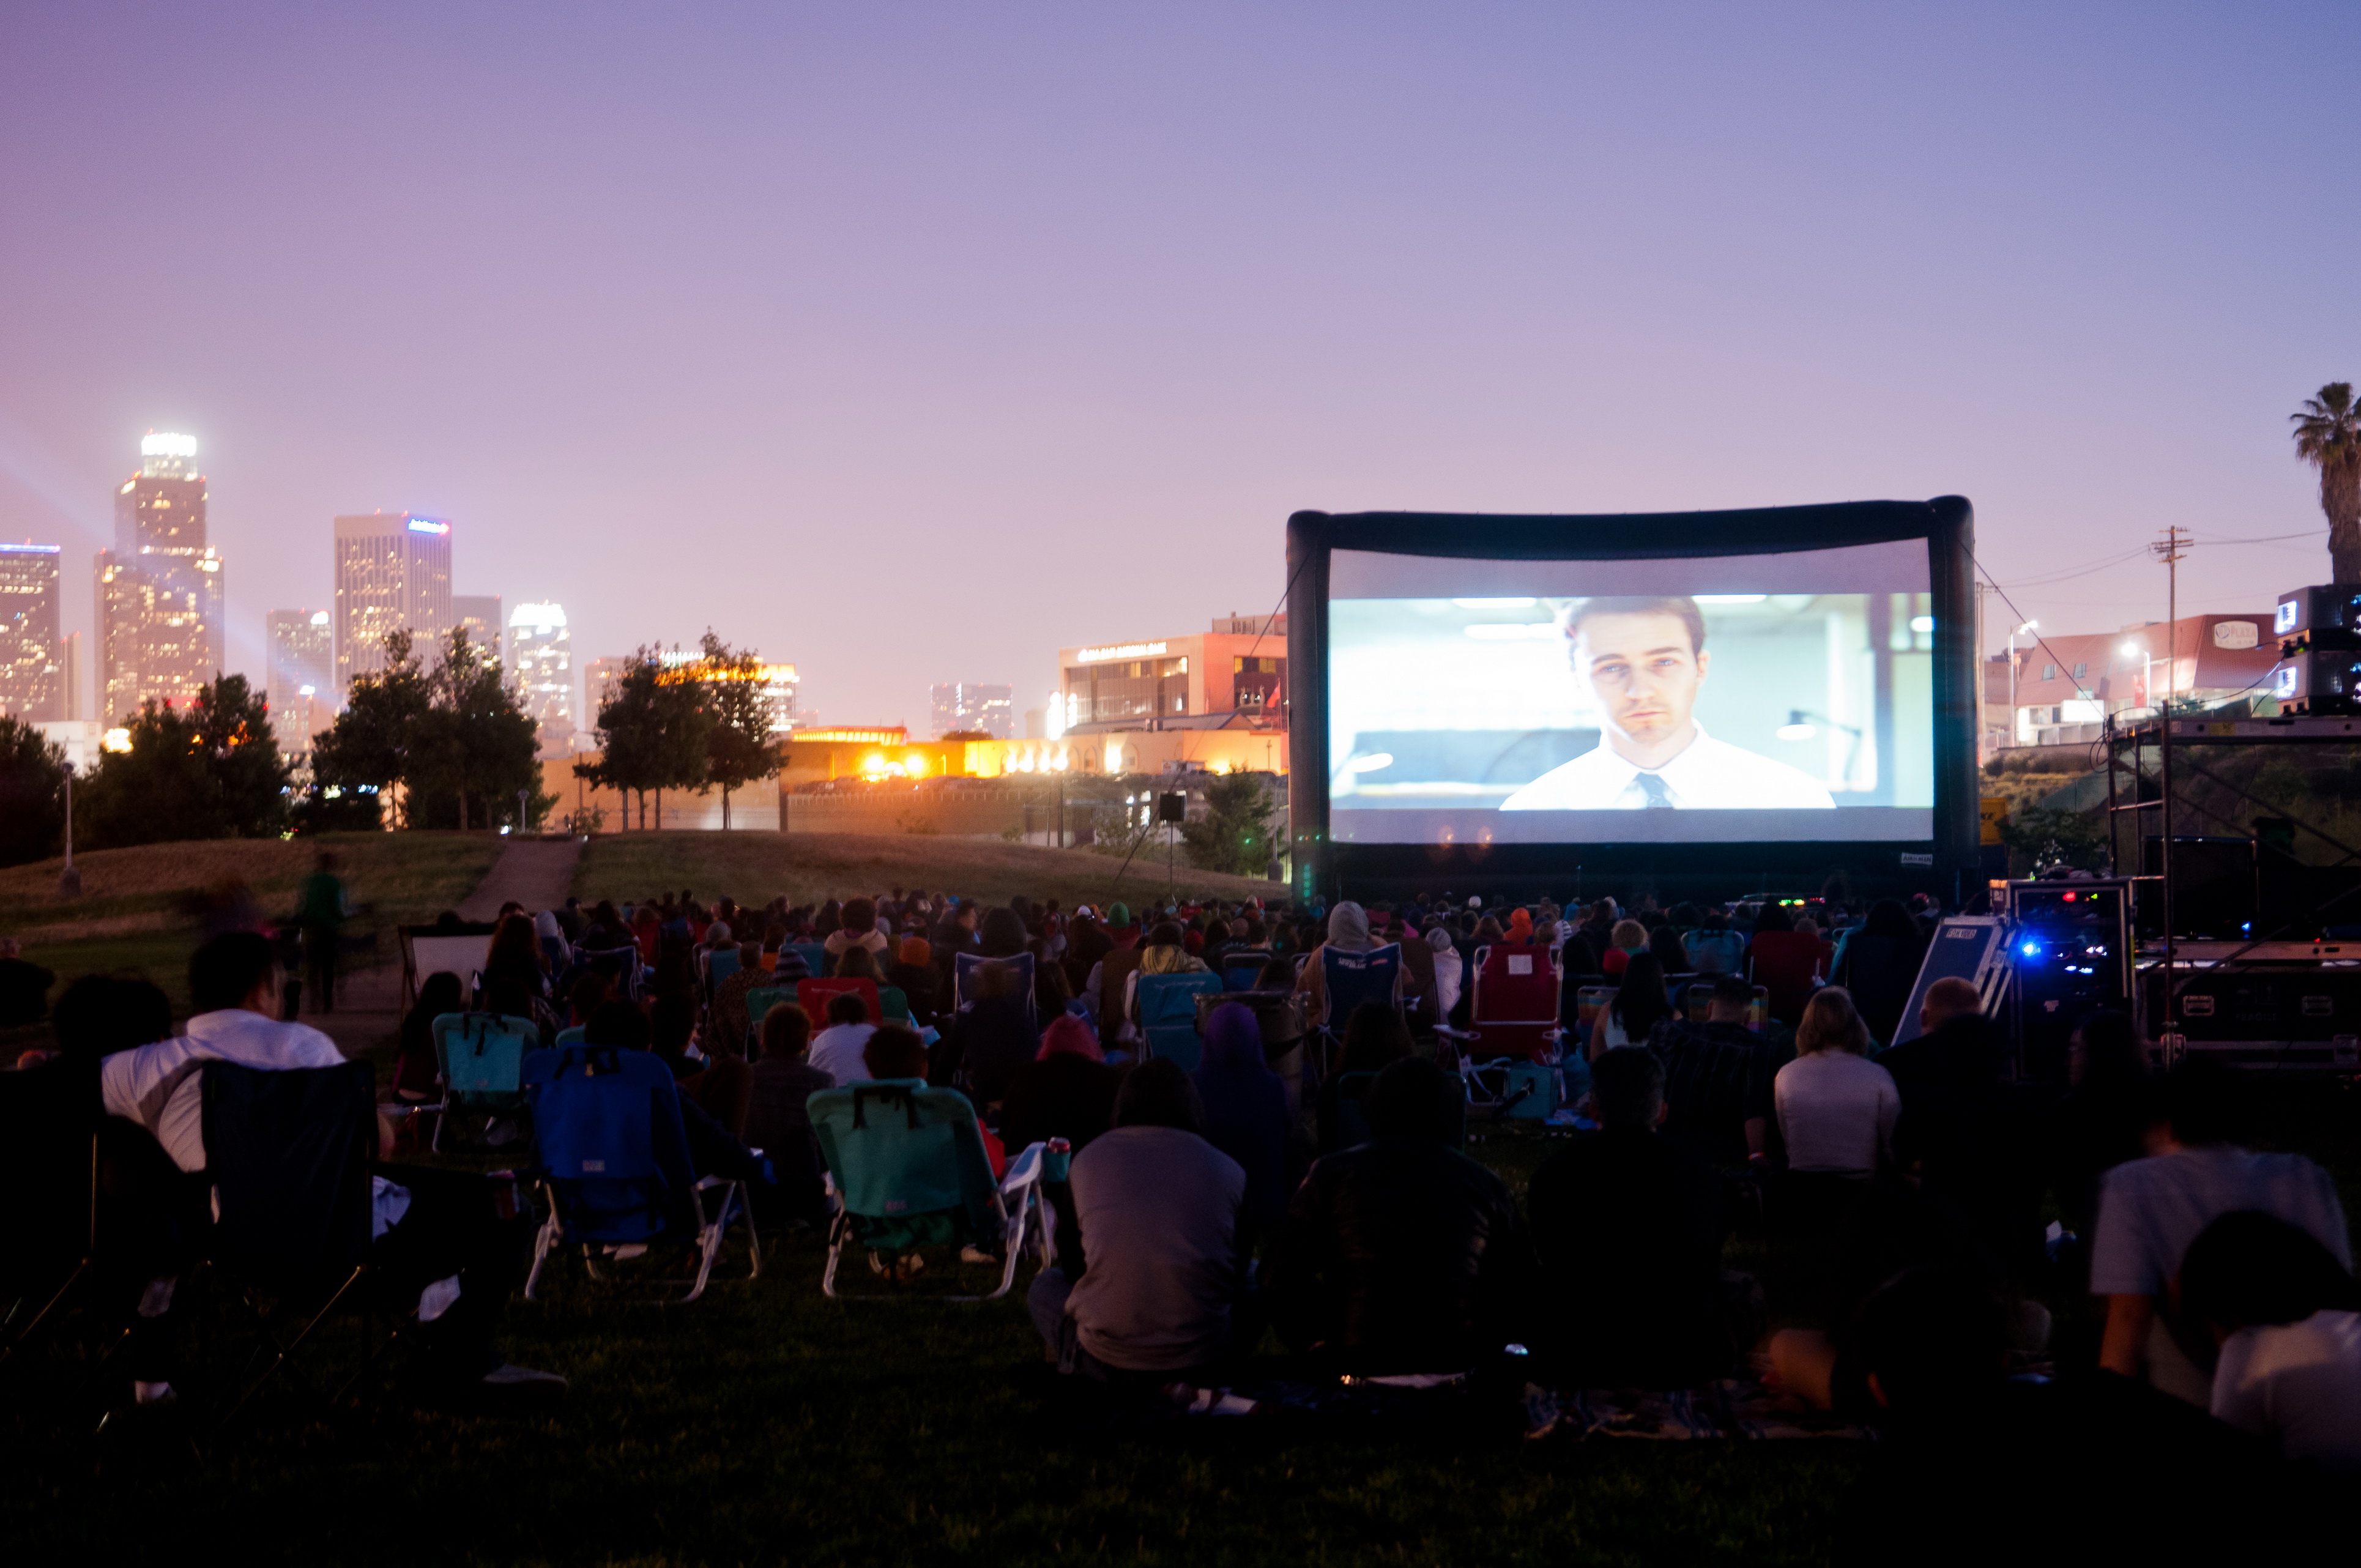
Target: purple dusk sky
{"points": [[912, 342]]}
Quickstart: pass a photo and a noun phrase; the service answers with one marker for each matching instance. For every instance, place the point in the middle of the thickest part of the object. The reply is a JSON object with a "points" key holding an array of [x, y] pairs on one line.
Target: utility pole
{"points": [[2170, 550]]}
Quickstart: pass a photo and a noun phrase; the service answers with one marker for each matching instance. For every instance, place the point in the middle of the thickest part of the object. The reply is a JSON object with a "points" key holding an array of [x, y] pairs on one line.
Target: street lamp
{"points": [[2147, 669], [69, 879]]}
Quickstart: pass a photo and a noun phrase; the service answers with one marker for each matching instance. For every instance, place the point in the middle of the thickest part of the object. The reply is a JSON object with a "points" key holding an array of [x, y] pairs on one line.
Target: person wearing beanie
{"points": [[912, 968]]}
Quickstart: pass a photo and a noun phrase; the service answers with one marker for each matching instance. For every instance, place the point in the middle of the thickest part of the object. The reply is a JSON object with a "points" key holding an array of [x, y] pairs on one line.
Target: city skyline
{"points": [[1211, 269]]}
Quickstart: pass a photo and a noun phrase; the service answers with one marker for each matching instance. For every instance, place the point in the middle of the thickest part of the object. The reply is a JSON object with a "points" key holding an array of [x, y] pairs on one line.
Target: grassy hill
{"points": [[808, 867], [140, 908]]}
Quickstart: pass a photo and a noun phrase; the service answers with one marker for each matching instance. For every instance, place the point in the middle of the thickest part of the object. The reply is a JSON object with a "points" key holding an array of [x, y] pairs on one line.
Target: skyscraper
{"points": [[393, 573], [302, 686], [964, 706], [34, 679], [541, 658], [160, 593], [480, 614]]}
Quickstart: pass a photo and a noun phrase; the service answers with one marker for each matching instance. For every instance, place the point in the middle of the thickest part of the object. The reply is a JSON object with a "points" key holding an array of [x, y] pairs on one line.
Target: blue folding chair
{"points": [[964, 966], [814, 954], [908, 1166], [720, 965], [1240, 975], [572, 1036], [481, 1057], [619, 964], [614, 1166], [1167, 1016]]}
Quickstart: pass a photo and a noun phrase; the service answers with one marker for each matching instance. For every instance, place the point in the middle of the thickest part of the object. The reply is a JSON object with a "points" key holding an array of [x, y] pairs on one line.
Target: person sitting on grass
{"points": [[1158, 1207], [2282, 1312], [1629, 1228], [1402, 1255], [1717, 1076], [450, 1226], [838, 1050], [2151, 1209], [776, 1120]]}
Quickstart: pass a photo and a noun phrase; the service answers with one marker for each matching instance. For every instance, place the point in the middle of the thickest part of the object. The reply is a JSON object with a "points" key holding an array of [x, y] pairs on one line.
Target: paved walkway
{"points": [[535, 873]]}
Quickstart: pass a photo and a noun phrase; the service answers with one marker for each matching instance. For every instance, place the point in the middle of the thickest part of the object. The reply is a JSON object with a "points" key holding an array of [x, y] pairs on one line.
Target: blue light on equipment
{"points": [[2031, 950]]}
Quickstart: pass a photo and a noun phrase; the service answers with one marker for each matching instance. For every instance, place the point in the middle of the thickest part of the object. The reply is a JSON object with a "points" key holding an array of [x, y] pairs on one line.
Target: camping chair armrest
{"points": [[1448, 1033], [1023, 1171]]}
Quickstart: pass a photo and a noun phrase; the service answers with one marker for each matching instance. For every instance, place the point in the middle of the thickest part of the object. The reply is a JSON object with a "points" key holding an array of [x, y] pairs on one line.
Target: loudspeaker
{"points": [[2314, 680], [1172, 807], [2214, 890], [2325, 615]]}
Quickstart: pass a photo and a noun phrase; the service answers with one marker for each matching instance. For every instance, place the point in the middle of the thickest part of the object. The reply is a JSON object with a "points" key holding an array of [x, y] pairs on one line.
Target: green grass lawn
{"points": [[755, 867], [134, 913]]}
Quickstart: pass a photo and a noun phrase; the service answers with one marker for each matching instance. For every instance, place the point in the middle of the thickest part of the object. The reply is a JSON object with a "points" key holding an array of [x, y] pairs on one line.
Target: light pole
{"points": [[69, 879]]}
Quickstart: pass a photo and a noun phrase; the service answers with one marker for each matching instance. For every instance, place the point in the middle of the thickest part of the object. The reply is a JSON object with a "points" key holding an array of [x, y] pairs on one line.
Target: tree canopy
{"points": [[738, 748], [32, 793], [455, 736], [209, 770], [684, 724], [2328, 437], [1234, 834]]}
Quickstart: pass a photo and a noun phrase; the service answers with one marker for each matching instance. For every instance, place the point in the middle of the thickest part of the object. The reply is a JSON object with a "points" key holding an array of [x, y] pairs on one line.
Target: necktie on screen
{"points": [[1653, 786]]}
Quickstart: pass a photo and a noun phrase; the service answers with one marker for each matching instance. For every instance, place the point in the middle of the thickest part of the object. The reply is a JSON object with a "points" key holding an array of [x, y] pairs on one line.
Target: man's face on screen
{"points": [[1643, 674]]}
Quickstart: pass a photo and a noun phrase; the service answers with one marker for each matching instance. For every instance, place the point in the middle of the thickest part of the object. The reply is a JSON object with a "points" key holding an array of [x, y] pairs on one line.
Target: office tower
{"points": [[35, 682], [161, 589], [965, 706], [599, 680], [393, 573], [541, 659], [480, 614], [779, 689], [303, 684]]}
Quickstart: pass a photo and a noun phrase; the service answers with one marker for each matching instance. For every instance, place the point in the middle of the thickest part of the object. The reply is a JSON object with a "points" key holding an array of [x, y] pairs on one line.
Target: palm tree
{"points": [[2328, 437]]}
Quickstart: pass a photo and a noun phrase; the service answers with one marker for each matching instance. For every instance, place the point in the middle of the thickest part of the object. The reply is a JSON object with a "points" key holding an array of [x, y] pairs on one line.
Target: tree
{"points": [[653, 732], [212, 772], [737, 746], [32, 793], [453, 737], [473, 748], [1234, 833], [2328, 437], [367, 750]]}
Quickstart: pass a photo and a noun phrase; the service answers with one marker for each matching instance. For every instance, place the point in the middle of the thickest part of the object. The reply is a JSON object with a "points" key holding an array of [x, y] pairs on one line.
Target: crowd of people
{"points": [[1739, 1076]]}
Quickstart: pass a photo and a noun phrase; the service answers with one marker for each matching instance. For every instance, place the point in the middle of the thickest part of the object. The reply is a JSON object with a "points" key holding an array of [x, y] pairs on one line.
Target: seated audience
{"points": [[2150, 1209], [1628, 940], [726, 1021], [1245, 1113], [776, 1121], [892, 1055], [913, 970], [448, 1228], [836, 1049], [1401, 1255], [1158, 1207], [1880, 965], [417, 1069], [856, 926], [1066, 1091], [989, 1042], [1970, 1137], [1627, 1225], [23, 986], [2103, 1120], [2282, 1309], [1640, 1003], [1375, 1038], [1717, 1100], [1836, 1108]]}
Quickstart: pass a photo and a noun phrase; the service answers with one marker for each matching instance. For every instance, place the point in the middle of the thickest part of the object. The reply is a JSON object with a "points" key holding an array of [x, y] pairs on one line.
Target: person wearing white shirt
{"points": [[1644, 660], [836, 1049], [441, 1238], [2280, 1308], [1836, 1108]]}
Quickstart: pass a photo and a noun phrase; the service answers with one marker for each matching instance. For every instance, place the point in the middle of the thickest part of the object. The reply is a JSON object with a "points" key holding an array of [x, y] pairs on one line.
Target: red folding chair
{"points": [[1514, 1005], [813, 996], [1790, 966]]}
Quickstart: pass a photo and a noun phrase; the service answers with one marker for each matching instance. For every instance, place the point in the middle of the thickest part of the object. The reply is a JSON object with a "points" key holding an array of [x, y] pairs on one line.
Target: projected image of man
{"points": [[1645, 661]]}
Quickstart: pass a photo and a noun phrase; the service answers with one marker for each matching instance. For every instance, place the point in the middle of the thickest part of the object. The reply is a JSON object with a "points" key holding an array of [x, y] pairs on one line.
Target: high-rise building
{"points": [[598, 679], [393, 573], [480, 614], [161, 589], [35, 680], [541, 660], [302, 685], [963, 706]]}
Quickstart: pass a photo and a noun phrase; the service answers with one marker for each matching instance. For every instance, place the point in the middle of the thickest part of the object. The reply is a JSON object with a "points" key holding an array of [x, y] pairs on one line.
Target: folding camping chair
{"points": [[814, 954], [49, 1166], [287, 1154], [1791, 966], [908, 1164], [481, 1057], [1238, 974], [1167, 1016], [1514, 1003], [718, 965], [1697, 1004], [814, 995], [758, 1002], [615, 1167], [965, 966], [895, 1002], [1349, 1124]]}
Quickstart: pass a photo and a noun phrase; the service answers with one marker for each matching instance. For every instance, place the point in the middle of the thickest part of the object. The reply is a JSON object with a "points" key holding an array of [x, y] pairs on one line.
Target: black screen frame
{"points": [[1947, 864]]}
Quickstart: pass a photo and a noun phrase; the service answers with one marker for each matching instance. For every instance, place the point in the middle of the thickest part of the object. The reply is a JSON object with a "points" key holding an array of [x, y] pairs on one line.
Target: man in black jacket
{"points": [[1401, 1254], [1628, 1224]]}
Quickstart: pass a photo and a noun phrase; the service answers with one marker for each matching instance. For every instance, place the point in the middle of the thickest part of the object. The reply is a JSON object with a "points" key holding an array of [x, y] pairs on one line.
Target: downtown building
{"points": [[302, 688], [964, 707], [539, 652], [392, 574], [37, 671], [478, 615], [160, 591]]}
